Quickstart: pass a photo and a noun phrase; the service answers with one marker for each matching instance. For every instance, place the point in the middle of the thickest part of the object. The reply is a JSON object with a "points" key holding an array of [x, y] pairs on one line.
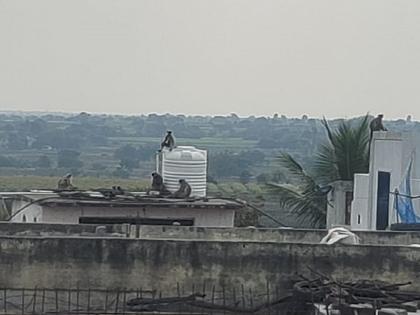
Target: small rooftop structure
{"points": [[394, 164], [135, 208]]}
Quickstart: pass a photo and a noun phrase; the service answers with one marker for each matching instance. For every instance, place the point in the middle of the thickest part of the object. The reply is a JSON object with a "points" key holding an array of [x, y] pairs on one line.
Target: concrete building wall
{"points": [[415, 186], [71, 214], [32, 213], [386, 155], [411, 148], [389, 152], [41, 229], [337, 203], [271, 235], [162, 264], [201, 233], [360, 203]]}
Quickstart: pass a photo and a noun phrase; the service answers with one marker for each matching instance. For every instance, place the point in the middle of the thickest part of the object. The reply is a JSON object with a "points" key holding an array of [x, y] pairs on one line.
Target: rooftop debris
{"points": [[320, 295], [197, 301], [349, 296]]}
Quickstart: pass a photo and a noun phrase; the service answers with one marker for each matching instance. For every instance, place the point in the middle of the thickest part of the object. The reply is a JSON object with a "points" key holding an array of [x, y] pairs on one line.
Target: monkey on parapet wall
{"points": [[376, 125]]}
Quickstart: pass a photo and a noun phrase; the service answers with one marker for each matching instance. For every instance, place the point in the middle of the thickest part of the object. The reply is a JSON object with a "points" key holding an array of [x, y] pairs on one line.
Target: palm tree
{"points": [[345, 153]]}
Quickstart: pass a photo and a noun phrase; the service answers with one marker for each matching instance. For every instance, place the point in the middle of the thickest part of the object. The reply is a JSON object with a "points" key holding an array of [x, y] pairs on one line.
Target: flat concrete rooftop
{"points": [[129, 199]]}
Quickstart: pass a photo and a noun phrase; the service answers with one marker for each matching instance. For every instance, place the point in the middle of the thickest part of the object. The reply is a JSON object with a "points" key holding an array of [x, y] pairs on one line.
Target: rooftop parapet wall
{"points": [[201, 233], [271, 235], [163, 264], [41, 229]]}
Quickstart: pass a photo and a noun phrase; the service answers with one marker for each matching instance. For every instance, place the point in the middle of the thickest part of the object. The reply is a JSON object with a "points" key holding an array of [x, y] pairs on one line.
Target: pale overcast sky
{"points": [[259, 57]]}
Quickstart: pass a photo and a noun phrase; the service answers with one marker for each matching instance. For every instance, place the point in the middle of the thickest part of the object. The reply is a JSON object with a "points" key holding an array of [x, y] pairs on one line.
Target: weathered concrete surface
{"points": [[200, 233], [40, 229], [271, 235], [160, 264]]}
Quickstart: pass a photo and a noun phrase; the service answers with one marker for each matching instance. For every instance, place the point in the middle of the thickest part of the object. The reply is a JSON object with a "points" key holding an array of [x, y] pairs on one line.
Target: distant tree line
{"points": [[129, 156], [123, 145]]}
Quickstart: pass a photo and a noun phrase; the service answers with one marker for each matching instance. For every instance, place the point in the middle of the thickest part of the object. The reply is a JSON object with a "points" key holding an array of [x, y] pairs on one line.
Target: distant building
{"points": [[96, 207], [388, 194], [394, 165], [50, 207]]}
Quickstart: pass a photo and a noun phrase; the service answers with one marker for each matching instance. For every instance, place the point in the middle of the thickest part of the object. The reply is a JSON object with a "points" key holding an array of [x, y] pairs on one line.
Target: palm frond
{"points": [[345, 153], [328, 129], [307, 203], [294, 169], [325, 164]]}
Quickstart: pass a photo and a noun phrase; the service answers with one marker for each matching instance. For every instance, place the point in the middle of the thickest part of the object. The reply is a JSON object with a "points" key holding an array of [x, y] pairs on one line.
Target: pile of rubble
{"points": [[320, 294], [197, 303], [366, 297]]}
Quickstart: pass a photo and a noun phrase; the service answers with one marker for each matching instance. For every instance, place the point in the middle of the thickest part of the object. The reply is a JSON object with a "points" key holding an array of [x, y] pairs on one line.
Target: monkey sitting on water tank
{"points": [[184, 190], [168, 142]]}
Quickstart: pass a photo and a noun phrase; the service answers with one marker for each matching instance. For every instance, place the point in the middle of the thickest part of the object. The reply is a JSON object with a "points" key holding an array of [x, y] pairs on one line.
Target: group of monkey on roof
{"points": [[158, 186], [184, 191]]}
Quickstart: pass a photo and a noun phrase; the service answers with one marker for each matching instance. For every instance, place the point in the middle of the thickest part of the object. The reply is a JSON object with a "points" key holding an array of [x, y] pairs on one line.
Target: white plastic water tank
{"points": [[184, 162]]}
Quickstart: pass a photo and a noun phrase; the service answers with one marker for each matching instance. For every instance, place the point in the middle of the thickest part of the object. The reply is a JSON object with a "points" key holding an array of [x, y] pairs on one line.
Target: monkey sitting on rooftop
{"points": [[184, 190], [65, 183], [158, 185]]}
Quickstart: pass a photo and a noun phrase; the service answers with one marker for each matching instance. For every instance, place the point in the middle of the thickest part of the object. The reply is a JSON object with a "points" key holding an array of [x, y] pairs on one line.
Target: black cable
{"points": [[403, 195], [29, 204]]}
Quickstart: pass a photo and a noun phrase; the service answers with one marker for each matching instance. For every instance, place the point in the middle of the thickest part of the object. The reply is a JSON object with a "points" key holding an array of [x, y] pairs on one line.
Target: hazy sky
{"points": [[259, 57]]}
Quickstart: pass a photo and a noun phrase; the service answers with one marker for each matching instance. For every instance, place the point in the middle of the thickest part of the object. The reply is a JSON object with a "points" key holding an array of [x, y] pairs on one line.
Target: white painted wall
{"points": [[359, 206], [386, 155], [411, 147], [213, 217], [415, 191], [30, 215], [336, 209]]}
